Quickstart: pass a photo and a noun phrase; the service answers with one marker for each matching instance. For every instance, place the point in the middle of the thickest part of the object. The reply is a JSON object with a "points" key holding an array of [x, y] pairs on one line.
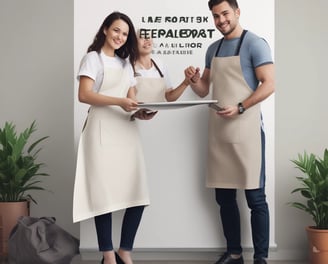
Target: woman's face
{"points": [[116, 35], [145, 45]]}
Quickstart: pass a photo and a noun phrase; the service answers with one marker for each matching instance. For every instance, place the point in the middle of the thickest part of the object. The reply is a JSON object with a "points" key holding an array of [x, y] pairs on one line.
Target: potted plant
{"points": [[19, 174], [314, 188]]}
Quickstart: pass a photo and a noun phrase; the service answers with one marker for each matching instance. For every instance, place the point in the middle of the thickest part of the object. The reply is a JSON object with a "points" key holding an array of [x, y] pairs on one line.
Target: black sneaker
{"points": [[260, 261], [227, 259]]}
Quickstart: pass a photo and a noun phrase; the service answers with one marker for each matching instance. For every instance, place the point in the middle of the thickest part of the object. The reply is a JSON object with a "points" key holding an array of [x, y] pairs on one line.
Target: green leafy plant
{"points": [[314, 187], [19, 170]]}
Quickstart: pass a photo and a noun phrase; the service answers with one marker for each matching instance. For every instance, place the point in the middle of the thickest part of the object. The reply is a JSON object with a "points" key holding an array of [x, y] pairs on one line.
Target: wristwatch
{"points": [[241, 108]]}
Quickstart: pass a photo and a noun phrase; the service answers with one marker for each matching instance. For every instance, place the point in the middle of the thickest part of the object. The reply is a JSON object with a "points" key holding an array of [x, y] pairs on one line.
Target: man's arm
{"points": [[265, 74]]}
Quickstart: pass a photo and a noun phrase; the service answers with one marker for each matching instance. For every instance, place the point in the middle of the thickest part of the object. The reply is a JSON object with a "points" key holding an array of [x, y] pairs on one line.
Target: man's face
{"points": [[225, 18]]}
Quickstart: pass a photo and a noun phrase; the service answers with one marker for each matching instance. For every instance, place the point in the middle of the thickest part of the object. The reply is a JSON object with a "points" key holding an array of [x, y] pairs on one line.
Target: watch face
{"points": [[241, 109]]}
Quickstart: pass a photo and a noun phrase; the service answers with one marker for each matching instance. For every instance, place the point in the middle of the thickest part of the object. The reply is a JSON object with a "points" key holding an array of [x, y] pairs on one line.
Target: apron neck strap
{"points": [[241, 41], [157, 68], [239, 44]]}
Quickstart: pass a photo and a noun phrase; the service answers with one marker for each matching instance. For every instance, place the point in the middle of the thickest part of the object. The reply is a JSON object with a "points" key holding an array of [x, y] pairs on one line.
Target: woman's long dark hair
{"points": [[130, 47]]}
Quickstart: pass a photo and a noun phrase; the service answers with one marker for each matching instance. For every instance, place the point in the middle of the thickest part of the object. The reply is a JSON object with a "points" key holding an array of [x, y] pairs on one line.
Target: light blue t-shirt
{"points": [[254, 52]]}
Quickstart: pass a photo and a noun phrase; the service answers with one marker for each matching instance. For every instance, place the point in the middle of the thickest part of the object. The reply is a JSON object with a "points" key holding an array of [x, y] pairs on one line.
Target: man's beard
{"points": [[227, 32]]}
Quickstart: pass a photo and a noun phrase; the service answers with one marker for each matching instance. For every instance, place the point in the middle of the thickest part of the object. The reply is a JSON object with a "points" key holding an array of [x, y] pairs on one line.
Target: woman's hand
{"points": [[128, 104], [192, 74], [144, 114]]}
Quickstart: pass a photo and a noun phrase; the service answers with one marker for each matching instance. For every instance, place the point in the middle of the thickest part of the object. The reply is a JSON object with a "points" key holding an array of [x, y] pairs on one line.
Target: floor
{"points": [[77, 260]]}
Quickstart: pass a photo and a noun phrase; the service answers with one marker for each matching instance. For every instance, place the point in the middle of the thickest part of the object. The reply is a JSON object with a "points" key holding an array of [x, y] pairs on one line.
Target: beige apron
{"points": [[234, 144], [151, 89], [110, 173]]}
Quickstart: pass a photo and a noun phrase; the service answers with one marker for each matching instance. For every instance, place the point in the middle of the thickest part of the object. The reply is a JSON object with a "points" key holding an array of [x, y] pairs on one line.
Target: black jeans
{"points": [[131, 221], [229, 211]]}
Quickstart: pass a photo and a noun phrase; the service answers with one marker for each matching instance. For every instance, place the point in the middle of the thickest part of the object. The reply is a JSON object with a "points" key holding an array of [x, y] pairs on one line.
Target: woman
{"points": [[110, 173], [153, 84]]}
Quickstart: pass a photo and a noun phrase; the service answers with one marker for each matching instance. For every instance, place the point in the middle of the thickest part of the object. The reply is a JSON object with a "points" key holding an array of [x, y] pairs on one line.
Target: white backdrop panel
{"points": [[183, 213]]}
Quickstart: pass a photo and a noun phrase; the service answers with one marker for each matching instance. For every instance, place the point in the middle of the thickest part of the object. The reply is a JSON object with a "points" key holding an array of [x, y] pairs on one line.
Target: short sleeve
{"points": [[260, 52], [90, 66]]}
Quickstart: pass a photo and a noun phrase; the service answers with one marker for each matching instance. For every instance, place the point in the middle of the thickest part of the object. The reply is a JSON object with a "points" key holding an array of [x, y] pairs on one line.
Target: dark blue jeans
{"points": [[229, 211], [131, 221]]}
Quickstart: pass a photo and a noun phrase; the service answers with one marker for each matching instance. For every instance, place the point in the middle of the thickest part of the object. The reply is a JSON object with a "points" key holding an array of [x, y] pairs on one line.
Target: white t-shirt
{"points": [[153, 72], [92, 65]]}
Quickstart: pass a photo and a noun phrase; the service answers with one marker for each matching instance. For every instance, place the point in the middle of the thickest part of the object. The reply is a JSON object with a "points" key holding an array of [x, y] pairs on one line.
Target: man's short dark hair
{"points": [[232, 3]]}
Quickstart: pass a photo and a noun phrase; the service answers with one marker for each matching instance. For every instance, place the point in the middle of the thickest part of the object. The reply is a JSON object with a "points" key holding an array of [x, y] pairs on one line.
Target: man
{"points": [[241, 71]]}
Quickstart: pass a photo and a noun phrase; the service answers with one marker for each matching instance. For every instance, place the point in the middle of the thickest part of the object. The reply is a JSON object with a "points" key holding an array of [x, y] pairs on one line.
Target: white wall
{"points": [[36, 69], [175, 141]]}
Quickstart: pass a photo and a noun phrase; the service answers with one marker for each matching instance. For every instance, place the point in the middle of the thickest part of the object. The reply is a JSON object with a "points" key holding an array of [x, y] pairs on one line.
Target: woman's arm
{"points": [[173, 94], [88, 96]]}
